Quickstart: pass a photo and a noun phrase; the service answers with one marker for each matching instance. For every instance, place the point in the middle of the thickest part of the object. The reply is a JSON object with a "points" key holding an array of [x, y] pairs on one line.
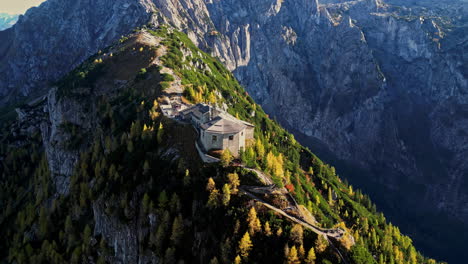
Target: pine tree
{"points": [[226, 158], [211, 185], [213, 199], [321, 244], [145, 203], [76, 256], [226, 194], [245, 245], [233, 182], [237, 260], [292, 257], [301, 251], [253, 221], [330, 196], [260, 149], [187, 178], [162, 199], [160, 134], [297, 234], [310, 257], [86, 237], [267, 229], [279, 232], [43, 222], [177, 230], [174, 204]]}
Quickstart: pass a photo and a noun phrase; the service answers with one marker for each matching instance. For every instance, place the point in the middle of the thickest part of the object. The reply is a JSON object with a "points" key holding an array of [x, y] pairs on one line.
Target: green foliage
{"points": [[83, 76], [142, 74], [166, 77], [360, 254]]}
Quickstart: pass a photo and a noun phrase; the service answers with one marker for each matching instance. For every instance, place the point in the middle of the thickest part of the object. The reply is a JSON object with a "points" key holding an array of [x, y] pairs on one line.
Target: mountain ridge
{"points": [[136, 190], [7, 20], [363, 96]]}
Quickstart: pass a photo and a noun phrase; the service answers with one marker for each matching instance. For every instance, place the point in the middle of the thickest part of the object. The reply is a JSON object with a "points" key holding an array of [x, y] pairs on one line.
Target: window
{"points": [[214, 138], [231, 137], [242, 133]]}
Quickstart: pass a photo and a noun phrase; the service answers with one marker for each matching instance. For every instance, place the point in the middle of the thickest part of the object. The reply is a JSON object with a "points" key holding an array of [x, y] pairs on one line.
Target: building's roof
{"points": [[197, 110], [230, 117], [221, 125]]}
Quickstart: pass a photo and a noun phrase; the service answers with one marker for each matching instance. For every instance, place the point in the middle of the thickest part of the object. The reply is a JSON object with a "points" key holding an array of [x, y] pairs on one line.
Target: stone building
{"points": [[218, 130]]}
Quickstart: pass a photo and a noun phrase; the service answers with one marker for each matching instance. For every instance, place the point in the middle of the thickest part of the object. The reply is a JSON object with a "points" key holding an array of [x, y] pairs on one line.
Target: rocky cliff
{"points": [[50, 40], [7, 20], [383, 88]]}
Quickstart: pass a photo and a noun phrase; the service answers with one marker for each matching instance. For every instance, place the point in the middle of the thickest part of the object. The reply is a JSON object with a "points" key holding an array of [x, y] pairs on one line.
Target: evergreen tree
{"points": [[226, 194], [245, 245], [279, 232], [43, 222], [310, 257], [186, 178], [234, 182], [226, 158], [162, 200], [177, 230], [301, 251], [175, 203], [253, 221], [292, 257], [213, 199], [211, 185], [260, 148], [360, 254], [76, 256], [160, 133], [145, 203], [87, 237], [267, 229], [321, 244], [297, 234]]}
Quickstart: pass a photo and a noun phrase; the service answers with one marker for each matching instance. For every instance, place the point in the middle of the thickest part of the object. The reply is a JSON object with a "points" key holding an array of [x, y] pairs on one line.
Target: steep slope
{"points": [[77, 29], [137, 191], [379, 89]]}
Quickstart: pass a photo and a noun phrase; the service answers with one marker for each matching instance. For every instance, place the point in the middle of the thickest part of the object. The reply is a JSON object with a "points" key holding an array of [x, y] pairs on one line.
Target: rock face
{"points": [[382, 88], [50, 40], [7, 20]]}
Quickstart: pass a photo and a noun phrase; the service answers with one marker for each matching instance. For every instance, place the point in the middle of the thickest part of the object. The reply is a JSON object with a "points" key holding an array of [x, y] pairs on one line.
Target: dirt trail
{"points": [[327, 233], [332, 233]]}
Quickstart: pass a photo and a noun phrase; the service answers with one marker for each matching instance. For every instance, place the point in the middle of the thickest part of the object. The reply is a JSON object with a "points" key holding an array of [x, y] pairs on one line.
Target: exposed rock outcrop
{"points": [[50, 40]]}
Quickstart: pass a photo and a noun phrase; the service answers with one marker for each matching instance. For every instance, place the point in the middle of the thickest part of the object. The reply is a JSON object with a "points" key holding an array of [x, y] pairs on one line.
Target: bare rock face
{"points": [[50, 40], [65, 132], [382, 88], [7, 20]]}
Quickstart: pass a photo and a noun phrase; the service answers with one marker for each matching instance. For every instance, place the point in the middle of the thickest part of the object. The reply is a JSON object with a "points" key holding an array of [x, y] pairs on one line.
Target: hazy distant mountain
{"points": [[7, 20]]}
